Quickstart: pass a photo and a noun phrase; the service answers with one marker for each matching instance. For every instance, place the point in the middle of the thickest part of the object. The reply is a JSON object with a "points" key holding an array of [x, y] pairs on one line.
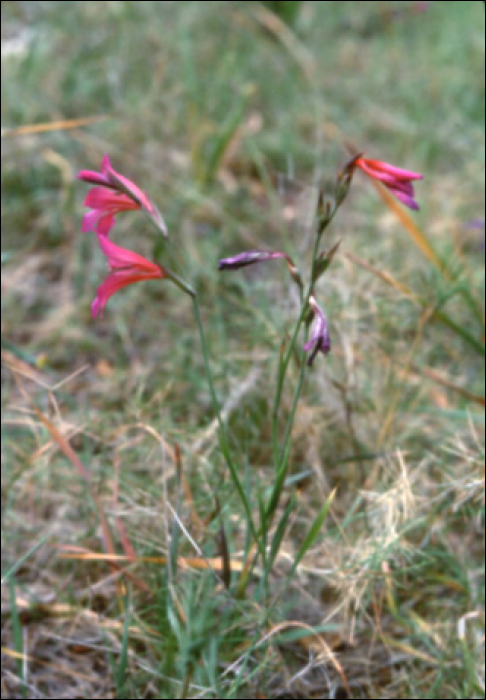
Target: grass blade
{"points": [[121, 672], [312, 534], [222, 141], [17, 635], [23, 559], [417, 236], [225, 555], [174, 546], [441, 316], [280, 533]]}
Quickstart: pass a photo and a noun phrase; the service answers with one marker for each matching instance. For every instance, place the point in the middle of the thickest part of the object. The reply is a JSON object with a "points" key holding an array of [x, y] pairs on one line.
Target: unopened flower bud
{"points": [[320, 340]]}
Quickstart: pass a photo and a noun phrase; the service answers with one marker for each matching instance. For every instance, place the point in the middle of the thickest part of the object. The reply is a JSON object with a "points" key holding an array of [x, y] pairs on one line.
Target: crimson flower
{"points": [[398, 181], [126, 268], [105, 204], [320, 340], [115, 193]]}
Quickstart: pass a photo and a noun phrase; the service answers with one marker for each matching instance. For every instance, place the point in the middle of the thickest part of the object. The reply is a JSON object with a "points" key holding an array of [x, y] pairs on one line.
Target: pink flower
{"points": [[105, 204], [126, 268], [114, 194], [398, 181]]}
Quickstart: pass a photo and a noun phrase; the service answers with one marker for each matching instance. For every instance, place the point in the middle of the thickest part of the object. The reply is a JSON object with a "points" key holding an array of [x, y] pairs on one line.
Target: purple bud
{"points": [[249, 258], [320, 340], [255, 256]]}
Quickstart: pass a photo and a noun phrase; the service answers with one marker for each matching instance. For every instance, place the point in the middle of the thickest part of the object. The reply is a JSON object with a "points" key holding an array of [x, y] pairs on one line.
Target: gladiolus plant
{"points": [[113, 194]]}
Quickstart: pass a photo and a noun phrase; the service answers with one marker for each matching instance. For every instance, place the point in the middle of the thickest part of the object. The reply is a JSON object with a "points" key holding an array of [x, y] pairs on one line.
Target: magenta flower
{"points": [[126, 268], [320, 340], [398, 181], [115, 193], [105, 204]]}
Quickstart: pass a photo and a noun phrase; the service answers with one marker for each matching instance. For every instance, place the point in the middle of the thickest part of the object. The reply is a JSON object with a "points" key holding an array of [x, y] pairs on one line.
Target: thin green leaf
{"points": [[312, 534], [463, 333], [223, 139], [291, 480], [19, 352], [295, 635], [22, 559], [17, 633], [223, 437], [263, 527], [279, 484], [478, 417], [350, 515], [280, 533], [121, 667], [174, 545], [225, 556]]}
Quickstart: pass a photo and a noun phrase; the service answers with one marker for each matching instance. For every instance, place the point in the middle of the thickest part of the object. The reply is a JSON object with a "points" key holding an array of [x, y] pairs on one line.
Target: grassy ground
{"points": [[227, 118]]}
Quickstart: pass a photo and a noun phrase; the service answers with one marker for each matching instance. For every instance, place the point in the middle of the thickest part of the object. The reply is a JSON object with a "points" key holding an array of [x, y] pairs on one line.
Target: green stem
{"points": [[280, 453], [187, 683], [223, 435], [282, 371], [209, 375], [179, 282], [283, 366]]}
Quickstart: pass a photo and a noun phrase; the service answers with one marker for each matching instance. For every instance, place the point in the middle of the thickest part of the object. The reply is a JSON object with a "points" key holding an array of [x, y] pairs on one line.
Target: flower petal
{"points": [[117, 193], [122, 258], [99, 221], [96, 178], [116, 280], [397, 180], [92, 177], [405, 198], [102, 198], [126, 267], [130, 189], [106, 164], [377, 167]]}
